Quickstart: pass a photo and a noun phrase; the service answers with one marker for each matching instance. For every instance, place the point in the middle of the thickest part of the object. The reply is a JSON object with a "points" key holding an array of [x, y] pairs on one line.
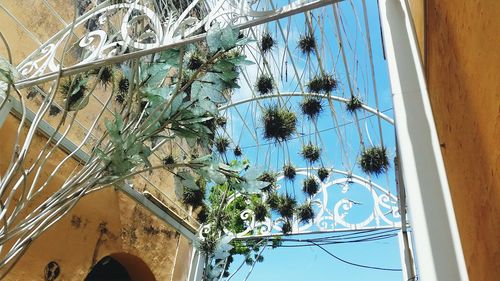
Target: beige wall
{"points": [[101, 224], [462, 46]]}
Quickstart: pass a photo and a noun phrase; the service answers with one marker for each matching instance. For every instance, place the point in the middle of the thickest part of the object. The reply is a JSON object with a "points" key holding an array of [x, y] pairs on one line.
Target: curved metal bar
{"points": [[296, 94]]}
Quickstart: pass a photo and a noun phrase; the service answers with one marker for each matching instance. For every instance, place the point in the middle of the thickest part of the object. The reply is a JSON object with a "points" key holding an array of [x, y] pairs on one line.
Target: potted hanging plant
{"points": [[264, 84], [267, 42], [311, 107], [305, 212], [221, 143], [311, 153], [310, 186], [289, 172], [279, 123], [374, 160], [307, 43], [323, 174], [353, 104]]}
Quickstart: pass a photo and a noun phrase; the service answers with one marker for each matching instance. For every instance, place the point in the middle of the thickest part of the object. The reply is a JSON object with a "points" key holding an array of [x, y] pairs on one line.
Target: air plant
{"points": [[287, 206], [54, 110], [221, 121], [273, 200], [74, 90], [106, 75], [324, 83], [203, 214], [32, 93], [353, 104], [286, 227], [193, 197], [307, 43], [264, 84], [237, 151], [260, 211], [221, 143], [305, 212], [315, 85], [195, 61], [267, 42], [289, 172], [269, 177], [120, 98], [323, 173], [310, 152], [311, 106], [374, 160], [310, 186], [168, 160], [123, 85], [279, 123]]}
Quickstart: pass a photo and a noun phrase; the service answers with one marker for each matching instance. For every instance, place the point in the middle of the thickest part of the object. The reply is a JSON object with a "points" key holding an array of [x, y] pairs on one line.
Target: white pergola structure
{"points": [[420, 170]]}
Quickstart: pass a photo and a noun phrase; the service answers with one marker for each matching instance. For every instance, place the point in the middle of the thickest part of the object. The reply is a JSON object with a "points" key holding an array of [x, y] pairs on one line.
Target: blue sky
{"points": [[312, 263]]}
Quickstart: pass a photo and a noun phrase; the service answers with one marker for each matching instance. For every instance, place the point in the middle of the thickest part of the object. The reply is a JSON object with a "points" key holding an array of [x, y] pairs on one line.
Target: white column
{"points": [[437, 241]]}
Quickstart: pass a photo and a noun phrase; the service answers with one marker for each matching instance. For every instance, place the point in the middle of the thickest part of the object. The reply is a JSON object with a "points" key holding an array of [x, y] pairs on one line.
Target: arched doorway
{"points": [[120, 267]]}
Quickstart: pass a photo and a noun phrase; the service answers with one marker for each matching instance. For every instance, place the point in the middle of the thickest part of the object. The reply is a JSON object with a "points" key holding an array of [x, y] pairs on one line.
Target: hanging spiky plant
{"points": [[73, 91], [123, 85], [289, 172], [120, 98], [237, 151], [273, 201], [310, 186], [329, 83], [54, 110], [311, 152], [287, 206], [221, 143], [193, 197], [106, 75], [279, 123], [286, 227], [260, 212], [315, 85], [307, 43], [311, 106], [221, 121], [323, 173], [269, 177], [168, 160], [264, 84], [195, 61], [374, 160], [267, 42], [32, 93], [203, 214], [353, 104], [305, 212]]}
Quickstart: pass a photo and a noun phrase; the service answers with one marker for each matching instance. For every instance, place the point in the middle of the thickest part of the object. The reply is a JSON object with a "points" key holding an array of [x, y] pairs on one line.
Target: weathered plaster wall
{"points": [[462, 46], [101, 224]]}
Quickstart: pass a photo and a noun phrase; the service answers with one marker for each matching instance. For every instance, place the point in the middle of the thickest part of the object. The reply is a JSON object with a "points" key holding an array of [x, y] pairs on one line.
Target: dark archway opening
{"points": [[108, 269]]}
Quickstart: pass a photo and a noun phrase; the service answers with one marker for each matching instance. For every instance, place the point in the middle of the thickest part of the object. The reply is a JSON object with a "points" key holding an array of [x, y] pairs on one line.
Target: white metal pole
{"points": [[438, 246]]}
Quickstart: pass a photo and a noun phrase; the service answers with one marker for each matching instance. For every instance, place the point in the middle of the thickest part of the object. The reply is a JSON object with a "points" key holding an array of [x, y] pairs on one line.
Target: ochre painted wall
{"points": [[103, 223], [462, 47]]}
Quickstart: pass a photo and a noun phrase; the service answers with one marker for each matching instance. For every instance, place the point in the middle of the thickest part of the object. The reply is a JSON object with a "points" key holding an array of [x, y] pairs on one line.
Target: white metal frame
{"points": [[437, 240]]}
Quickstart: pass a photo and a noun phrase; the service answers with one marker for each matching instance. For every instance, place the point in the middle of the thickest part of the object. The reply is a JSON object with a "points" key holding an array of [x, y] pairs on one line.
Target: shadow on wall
{"points": [[120, 267]]}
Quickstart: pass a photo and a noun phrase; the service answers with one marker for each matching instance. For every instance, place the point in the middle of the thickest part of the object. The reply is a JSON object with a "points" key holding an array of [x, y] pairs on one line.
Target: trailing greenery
{"points": [[311, 152], [289, 172], [267, 42], [323, 174], [279, 123], [310, 186], [353, 104], [311, 107], [264, 84], [374, 160], [305, 212], [307, 43]]}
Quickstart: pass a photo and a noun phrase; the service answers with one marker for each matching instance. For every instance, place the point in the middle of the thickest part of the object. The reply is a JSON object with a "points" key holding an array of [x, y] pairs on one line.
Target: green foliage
{"points": [[353, 104], [267, 42], [307, 43], [264, 84], [279, 123], [74, 90], [289, 172], [310, 186], [323, 173], [311, 107], [374, 160], [305, 212], [311, 152], [276, 242], [273, 201]]}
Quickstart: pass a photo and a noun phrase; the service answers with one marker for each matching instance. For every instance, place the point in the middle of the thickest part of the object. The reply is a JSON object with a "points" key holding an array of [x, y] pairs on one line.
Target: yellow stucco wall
{"points": [[462, 46], [103, 223]]}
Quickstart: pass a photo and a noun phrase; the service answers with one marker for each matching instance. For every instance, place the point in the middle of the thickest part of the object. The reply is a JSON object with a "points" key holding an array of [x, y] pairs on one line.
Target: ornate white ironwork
{"points": [[331, 214]]}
